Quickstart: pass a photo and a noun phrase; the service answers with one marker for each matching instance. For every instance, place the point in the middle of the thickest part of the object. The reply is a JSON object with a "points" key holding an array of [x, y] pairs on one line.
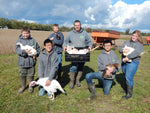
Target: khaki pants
{"points": [[27, 71]]}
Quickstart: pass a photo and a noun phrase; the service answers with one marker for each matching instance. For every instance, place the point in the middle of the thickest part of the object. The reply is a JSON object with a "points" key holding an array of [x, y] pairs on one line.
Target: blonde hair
{"points": [[139, 38]]}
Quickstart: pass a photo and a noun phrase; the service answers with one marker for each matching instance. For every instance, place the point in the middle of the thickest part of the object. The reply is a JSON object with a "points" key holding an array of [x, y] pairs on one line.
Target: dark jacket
{"points": [[57, 42], [25, 61]]}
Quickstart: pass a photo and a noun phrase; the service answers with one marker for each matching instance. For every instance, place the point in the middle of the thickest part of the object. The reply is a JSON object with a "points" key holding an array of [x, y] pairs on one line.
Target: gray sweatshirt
{"points": [[25, 61], [47, 64], [135, 55], [78, 39], [105, 59]]}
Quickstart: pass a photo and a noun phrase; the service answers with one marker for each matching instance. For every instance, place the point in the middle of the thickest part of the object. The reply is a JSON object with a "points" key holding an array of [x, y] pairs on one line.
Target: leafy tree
{"points": [[89, 30], [63, 29], [127, 32]]}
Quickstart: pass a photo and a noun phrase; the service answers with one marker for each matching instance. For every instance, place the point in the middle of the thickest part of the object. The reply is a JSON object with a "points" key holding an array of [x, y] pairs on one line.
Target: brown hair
{"points": [[56, 25], [139, 38], [25, 29], [77, 21]]}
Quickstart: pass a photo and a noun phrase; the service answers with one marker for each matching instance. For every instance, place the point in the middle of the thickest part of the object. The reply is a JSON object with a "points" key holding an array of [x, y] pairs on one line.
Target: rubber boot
{"points": [[71, 80], [79, 75], [23, 84], [31, 78], [91, 87], [129, 92]]}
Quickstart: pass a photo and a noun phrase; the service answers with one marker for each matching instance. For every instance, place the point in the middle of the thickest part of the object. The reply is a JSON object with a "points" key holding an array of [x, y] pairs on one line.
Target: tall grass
{"points": [[76, 100]]}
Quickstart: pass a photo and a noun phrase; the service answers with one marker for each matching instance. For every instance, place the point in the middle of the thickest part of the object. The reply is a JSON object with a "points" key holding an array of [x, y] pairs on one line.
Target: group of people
{"points": [[50, 60]]}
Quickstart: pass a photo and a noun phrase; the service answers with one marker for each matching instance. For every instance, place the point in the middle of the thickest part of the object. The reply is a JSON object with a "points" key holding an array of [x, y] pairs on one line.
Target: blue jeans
{"points": [[77, 66], [42, 91], [97, 75], [59, 67], [129, 69]]}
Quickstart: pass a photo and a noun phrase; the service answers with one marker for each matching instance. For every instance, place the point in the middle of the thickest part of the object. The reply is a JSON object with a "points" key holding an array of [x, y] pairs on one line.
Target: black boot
{"points": [[91, 87], [129, 92]]}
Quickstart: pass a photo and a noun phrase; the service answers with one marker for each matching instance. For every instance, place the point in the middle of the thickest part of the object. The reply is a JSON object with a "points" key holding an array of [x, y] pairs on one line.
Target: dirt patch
{"points": [[146, 100]]}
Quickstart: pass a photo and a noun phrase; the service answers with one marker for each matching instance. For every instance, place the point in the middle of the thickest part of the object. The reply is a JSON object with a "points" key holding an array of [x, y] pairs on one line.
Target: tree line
{"points": [[14, 24]]}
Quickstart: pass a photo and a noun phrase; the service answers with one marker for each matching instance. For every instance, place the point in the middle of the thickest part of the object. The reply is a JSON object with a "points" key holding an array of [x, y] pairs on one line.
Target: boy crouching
{"points": [[47, 65], [105, 58]]}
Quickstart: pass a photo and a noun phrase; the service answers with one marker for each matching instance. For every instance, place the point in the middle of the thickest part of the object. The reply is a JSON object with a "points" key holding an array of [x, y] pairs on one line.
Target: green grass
{"points": [[76, 100]]}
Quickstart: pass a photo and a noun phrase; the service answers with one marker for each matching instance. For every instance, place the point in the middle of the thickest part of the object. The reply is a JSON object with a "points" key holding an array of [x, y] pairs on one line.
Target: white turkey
{"points": [[130, 51], [33, 51], [72, 50], [52, 88]]}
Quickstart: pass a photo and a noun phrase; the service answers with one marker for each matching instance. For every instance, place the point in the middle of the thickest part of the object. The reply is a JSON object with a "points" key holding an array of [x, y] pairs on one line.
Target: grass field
{"points": [[76, 100]]}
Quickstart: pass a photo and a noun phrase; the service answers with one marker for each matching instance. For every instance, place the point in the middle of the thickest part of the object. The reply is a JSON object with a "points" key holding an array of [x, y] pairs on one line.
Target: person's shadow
{"points": [[65, 76], [120, 78], [86, 71]]}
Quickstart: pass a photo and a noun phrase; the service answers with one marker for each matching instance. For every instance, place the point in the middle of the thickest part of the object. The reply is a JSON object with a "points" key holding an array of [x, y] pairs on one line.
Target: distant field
{"points": [[8, 38]]}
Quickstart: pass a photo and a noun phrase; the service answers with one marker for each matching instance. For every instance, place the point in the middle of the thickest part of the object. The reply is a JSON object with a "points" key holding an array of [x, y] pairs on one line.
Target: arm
{"points": [[138, 50], [37, 49], [18, 50], [100, 63], [53, 68], [121, 47], [66, 41], [50, 36], [117, 69], [59, 42], [88, 40], [40, 67]]}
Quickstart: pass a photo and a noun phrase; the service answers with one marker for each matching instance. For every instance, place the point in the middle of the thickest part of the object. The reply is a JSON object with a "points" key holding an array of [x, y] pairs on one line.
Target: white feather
{"points": [[52, 88], [130, 51], [130, 48], [32, 50]]}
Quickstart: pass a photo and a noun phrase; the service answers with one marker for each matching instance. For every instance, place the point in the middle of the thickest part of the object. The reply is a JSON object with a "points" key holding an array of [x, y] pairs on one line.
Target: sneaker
{"points": [[21, 90]]}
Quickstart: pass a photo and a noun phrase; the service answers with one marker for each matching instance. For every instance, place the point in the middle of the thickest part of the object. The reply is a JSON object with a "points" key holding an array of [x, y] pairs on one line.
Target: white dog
{"points": [[130, 51], [32, 50], [52, 88]]}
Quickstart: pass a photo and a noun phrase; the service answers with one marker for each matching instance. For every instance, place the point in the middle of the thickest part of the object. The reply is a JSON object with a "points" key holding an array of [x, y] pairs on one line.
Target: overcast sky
{"points": [[106, 14]]}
